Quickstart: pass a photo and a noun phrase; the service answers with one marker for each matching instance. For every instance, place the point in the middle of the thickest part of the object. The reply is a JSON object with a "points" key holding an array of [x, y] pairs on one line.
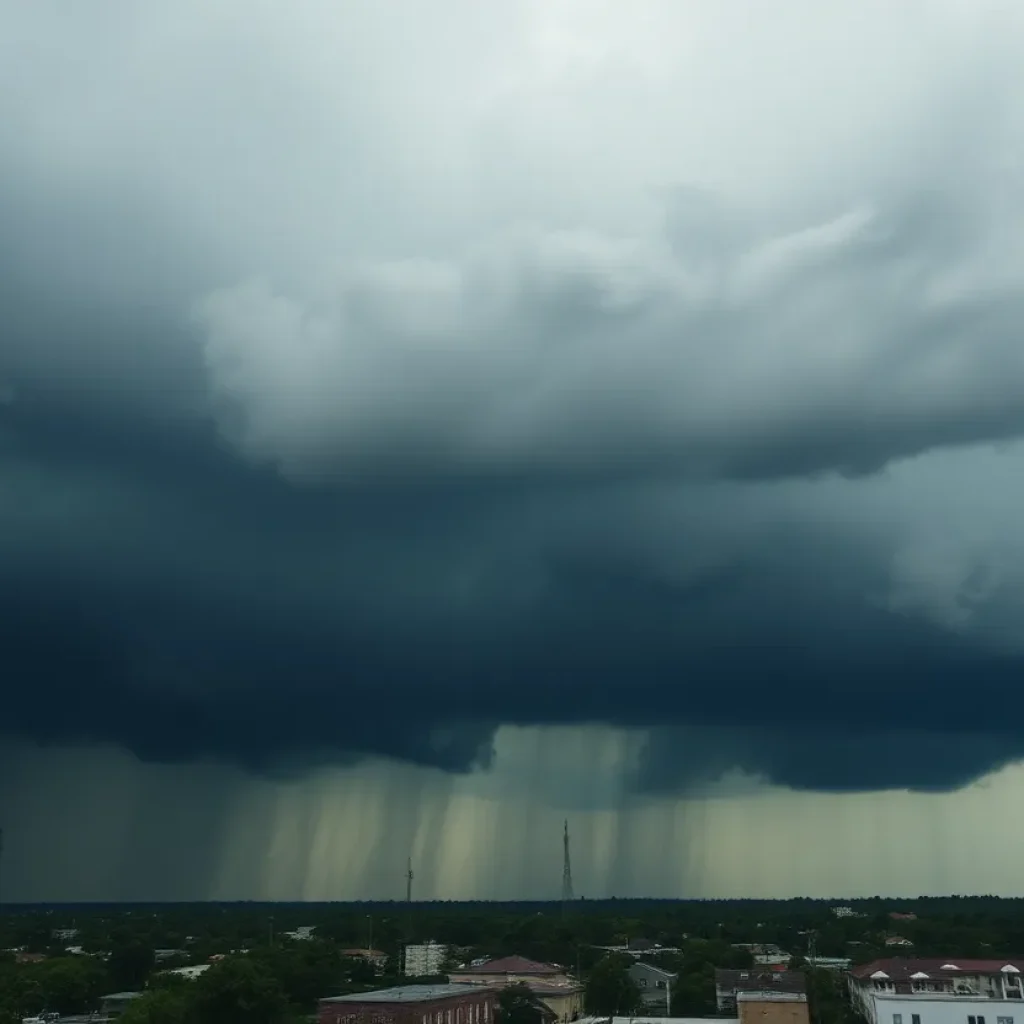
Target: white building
{"points": [[190, 973], [950, 991], [426, 958]]}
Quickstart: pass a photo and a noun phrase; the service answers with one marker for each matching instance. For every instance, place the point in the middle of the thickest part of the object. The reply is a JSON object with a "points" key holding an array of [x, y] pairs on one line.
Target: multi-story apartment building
{"points": [[424, 959], [939, 991]]}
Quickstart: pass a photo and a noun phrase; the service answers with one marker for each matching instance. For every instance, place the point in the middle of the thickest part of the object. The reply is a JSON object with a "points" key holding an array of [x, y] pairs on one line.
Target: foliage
{"points": [[161, 1006], [129, 965], [610, 991], [236, 991], [516, 1005]]}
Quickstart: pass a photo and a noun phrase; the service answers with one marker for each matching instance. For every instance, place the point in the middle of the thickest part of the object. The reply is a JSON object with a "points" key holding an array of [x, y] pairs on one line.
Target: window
{"points": [[897, 1018], [1004, 1020], [915, 1018], [972, 1020]]}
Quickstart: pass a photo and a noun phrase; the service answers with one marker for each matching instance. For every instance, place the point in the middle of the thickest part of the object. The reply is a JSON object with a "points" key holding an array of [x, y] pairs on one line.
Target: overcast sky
{"points": [[397, 398]]}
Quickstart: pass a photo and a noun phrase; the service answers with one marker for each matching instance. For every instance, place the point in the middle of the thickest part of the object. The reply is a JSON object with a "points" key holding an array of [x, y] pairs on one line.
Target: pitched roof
{"points": [[409, 994], [904, 968], [654, 969], [511, 965]]}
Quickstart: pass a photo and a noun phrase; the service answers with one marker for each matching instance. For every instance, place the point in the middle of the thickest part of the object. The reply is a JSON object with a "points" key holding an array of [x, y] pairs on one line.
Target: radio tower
{"points": [[567, 896], [408, 883]]}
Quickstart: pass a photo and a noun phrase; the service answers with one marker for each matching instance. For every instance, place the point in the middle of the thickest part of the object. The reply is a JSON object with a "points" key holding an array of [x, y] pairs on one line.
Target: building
{"points": [[655, 987], [190, 973], [412, 1004], [729, 984], [425, 959], [507, 970], [897, 940], [377, 959], [659, 1020], [301, 934], [117, 1002], [548, 982], [831, 963], [939, 991], [845, 912], [640, 947], [765, 954], [773, 1008]]}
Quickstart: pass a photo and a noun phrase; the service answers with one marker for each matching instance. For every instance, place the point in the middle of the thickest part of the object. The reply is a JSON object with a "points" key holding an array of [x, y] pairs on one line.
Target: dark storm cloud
{"points": [[230, 616], [528, 450]]}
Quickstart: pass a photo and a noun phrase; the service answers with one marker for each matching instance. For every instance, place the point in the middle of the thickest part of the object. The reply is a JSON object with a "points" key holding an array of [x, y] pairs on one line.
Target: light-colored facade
{"points": [[550, 984], [939, 991], [655, 987], [424, 959]]}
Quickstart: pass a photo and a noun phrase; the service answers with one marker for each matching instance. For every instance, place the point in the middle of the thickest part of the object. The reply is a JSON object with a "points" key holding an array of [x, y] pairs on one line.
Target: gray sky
{"points": [[387, 387]]}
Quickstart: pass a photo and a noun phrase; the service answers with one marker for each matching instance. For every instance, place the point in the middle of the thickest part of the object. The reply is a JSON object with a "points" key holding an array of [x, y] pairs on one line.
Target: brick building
{"points": [[772, 1008], [412, 1004]]}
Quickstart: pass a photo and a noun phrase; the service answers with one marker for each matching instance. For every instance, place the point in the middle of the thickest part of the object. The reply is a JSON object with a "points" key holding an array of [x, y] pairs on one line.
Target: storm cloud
{"points": [[374, 377]]}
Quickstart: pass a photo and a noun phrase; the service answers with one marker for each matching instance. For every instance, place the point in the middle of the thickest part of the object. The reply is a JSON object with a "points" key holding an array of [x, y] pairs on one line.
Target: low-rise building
{"points": [[655, 986], [117, 1002], [548, 982], [939, 991], [190, 973], [730, 984], [375, 957], [765, 954], [412, 1004], [772, 1008]]}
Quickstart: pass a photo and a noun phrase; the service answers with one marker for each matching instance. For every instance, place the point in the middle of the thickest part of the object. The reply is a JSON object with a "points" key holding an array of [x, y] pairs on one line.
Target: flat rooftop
{"points": [[408, 994]]}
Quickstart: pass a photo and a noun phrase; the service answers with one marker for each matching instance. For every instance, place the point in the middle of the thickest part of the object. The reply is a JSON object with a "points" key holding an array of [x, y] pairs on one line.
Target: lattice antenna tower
{"points": [[567, 894], [408, 883]]}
